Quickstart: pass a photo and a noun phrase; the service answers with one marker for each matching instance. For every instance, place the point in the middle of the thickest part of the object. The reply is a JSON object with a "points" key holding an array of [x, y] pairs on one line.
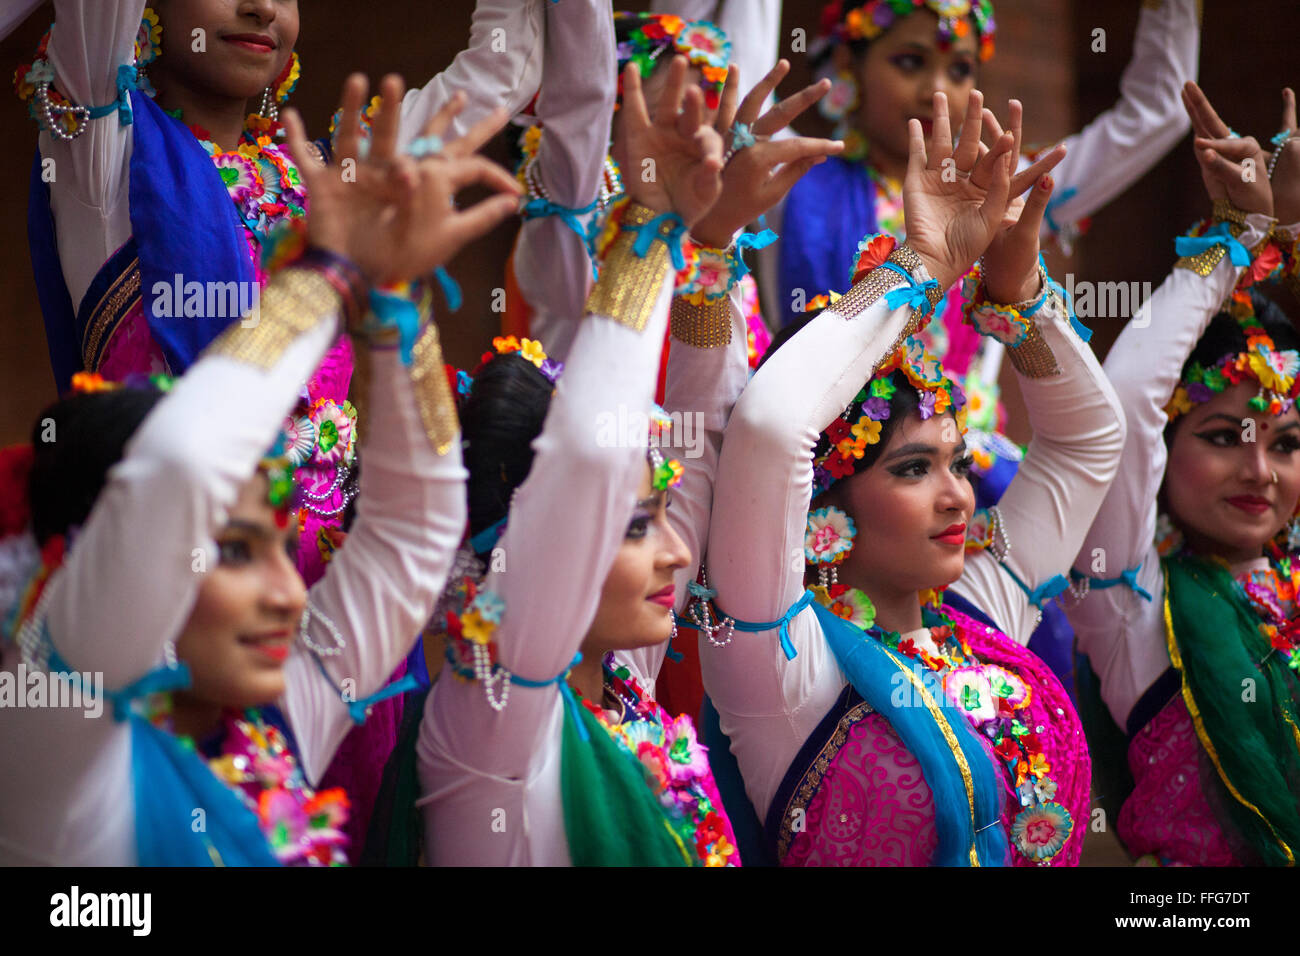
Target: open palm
{"points": [[951, 217], [676, 160], [391, 214]]}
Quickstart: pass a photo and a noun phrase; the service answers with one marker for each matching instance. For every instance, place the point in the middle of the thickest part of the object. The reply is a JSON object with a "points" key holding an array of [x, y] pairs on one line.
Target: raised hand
{"points": [[1232, 167], [674, 163], [757, 177], [951, 215], [1011, 260], [1286, 166], [392, 214]]}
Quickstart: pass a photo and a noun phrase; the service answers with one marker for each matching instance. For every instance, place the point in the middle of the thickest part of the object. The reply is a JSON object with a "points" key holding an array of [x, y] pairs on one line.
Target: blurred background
{"points": [[1044, 57]]}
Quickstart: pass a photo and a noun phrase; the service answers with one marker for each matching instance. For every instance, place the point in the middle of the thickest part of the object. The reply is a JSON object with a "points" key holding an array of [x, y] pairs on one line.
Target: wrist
{"points": [[345, 276], [1023, 293]]}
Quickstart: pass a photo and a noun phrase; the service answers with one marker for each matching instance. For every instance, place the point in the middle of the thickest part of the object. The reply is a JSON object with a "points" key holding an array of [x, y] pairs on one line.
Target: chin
{"points": [[259, 690]]}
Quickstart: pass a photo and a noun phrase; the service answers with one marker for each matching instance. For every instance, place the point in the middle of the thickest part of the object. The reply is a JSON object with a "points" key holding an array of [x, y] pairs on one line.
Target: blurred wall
{"points": [[1044, 58]]}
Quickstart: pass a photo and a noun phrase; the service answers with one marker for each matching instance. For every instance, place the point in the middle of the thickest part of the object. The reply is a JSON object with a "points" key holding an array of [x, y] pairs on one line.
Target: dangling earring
{"points": [[828, 541], [841, 99], [278, 92], [339, 644]]}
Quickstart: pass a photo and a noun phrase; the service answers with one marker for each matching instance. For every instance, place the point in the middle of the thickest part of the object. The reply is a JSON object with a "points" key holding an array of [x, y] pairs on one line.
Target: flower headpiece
{"points": [[1274, 370], [702, 43], [871, 19], [530, 350], [843, 443]]}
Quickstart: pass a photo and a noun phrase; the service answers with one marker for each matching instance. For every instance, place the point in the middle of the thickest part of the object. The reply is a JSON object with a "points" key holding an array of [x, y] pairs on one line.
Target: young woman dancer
{"points": [[867, 729], [1190, 619], [549, 752], [222, 686]]}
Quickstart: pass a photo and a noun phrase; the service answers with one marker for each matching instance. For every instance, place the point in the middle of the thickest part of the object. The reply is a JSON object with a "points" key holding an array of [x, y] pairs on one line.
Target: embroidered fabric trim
{"points": [[291, 305]]}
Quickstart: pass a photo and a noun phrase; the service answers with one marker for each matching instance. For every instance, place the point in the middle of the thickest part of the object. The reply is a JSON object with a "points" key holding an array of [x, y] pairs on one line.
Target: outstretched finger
{"points": [[1031, 217], [478, 134], [1288, 109], [479, 170], [353, 98], [727, 105], [482, 217], [783, 113], [916, 159], [1015, 115], [967, 153], [670, 101], [1043, 165], [755, 98], [634, 108], [385, 123], [797, 148], [789, 174], [986, 169], [941, 132], [1199, 106], [440, 122], [995, 201], [690, 117]]}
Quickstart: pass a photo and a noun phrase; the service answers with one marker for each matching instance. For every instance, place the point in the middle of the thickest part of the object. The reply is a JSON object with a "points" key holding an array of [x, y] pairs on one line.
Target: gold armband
{"points": [[295, 301], [704, 326], [629, 284], [879, 281], [1204, 262], [432, 391]]}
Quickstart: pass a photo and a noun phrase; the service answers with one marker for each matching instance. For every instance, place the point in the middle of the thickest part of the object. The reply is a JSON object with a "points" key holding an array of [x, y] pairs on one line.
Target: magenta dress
{"points": [[866, 800]]}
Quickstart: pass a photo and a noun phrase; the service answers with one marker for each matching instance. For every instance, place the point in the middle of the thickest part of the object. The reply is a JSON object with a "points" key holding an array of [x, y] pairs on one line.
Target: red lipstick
{"points": [[953, 534], [1251, 504], [664, 596]]}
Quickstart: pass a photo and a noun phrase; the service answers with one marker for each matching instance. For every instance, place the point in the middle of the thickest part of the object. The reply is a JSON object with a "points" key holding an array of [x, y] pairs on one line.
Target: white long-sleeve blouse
{"points": [[490, 780], [127, 586], [91, 38], [1122, 632], [768, 705]]}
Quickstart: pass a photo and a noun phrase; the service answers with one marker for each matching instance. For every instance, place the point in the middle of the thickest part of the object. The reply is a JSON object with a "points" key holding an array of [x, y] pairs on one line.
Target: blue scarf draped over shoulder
{"points": [[183, 223], [826, 215], [964, 782]]}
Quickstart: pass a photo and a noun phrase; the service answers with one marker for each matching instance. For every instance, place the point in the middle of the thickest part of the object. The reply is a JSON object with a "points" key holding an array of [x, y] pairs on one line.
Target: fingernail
{"points": [[1045, 183]]}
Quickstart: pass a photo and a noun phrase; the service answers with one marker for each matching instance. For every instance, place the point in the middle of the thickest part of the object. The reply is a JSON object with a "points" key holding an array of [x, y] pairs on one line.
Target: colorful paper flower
{"points": [[1040, 832], [829, 536], [335, 431], [867, 430], [687, 759]]}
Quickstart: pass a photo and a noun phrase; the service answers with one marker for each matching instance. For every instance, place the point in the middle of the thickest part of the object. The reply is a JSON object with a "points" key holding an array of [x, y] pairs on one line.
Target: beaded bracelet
{"points": [[346, 279], [1008, 324]]}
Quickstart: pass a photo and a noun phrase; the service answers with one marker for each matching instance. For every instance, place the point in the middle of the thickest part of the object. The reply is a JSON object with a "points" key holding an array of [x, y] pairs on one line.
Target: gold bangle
{"points": [[629, 284], [703, 326], [879, 281], [295, 301], [1205, 262], [1033, 357]]}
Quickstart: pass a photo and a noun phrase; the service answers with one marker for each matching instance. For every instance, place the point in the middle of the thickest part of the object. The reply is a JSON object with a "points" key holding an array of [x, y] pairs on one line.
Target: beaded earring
{"points": [[841, 99], [828, 541], [278, 92]]}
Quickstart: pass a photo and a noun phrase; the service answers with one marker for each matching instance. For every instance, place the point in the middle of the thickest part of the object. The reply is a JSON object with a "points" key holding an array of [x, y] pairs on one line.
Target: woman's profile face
{"points": [[911, 508], [246, 616], [231, 48], [1219, 480], [898, 76], [636, 598]]}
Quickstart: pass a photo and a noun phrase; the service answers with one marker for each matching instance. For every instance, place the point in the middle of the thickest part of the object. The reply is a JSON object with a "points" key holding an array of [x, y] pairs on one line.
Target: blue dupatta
{"points": [[183, 224]]}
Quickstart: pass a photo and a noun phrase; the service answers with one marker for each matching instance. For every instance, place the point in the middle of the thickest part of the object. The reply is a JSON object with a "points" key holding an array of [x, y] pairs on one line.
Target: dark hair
{"points": [[499, 421], [1225, 336], [76, 441], [904, 401]]}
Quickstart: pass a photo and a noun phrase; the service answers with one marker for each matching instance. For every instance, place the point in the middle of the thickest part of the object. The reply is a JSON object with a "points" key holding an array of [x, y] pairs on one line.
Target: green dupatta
{"points": [[611, 814], [1216, 644]]}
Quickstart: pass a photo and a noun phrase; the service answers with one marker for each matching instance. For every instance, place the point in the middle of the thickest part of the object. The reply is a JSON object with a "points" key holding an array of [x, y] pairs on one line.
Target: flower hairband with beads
{"points": [[872, 19], [703, 44]]}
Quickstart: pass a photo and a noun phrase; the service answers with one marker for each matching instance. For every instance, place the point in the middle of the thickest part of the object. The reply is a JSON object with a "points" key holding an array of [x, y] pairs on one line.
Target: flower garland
{"points": [[993, 699], [844, 441], [702, 43], [871, 19], [301, 825], [1005, 323], [1276, 371], [676, 764], [260, 177]]}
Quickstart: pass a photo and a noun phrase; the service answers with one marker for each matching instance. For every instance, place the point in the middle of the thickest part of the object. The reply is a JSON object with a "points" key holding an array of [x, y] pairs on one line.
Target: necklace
{"points": [[676, 766], [260, 177], [302, 826], [994, 700]]}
